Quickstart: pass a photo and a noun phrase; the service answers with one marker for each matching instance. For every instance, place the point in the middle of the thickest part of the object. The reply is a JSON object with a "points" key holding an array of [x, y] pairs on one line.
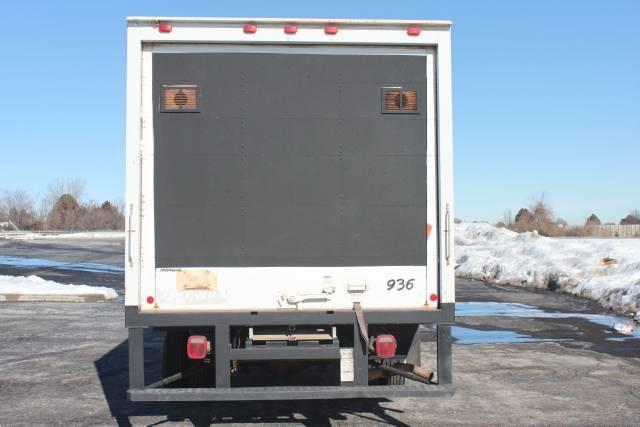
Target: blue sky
{"points": [[546, 95]]}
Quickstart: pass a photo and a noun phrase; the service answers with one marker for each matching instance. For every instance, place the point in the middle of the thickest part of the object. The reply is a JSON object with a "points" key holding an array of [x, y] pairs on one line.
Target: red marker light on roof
{"points": [[249, 28], [165, 27], [331, 29], [290, 29], [413, 31]]}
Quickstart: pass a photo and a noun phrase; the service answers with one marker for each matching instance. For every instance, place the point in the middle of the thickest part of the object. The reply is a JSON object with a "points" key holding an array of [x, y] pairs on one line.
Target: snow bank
{"points": [[576, 266], [15, 235], [34, 285]]}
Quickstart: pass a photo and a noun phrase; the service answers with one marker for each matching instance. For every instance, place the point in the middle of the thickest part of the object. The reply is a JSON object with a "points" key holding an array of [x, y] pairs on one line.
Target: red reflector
{"points": [[413, 31], [429, 227], [197, 347], [290, 29], [331, 29], [150, 299], [249, 28], [386, 346], [433, 297], [165, 27]]}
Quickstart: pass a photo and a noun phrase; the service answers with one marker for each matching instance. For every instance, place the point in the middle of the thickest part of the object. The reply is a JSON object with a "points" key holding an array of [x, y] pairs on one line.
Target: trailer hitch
{"points": [[407, 370], [177, 377]]}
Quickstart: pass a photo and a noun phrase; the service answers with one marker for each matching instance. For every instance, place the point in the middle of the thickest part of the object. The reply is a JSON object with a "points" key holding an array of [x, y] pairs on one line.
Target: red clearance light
{"points": [[429, 227], [197, 347], [150, 299], [386, 346], [413, 31], [331, 29], [165, 27], [433, 297], [290, 29], [249, 28]]}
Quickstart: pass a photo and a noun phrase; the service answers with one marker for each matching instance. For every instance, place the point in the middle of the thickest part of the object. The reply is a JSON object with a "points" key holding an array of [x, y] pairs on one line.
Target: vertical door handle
{"points": [[447, 235]]}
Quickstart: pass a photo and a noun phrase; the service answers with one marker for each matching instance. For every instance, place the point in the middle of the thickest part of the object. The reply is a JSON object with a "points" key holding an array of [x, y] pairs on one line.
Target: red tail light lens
{"points": [[197, 347], [386, 346], [413, 31]]}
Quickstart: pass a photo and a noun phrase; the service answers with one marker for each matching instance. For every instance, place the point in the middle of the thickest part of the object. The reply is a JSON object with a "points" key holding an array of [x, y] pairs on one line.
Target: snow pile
{"points": [[14, 235], [34, 285], [607, 271]]}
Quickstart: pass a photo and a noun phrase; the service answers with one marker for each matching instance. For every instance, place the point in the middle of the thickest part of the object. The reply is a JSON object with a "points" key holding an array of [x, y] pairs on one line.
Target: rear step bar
{"points": [[289, 393]]}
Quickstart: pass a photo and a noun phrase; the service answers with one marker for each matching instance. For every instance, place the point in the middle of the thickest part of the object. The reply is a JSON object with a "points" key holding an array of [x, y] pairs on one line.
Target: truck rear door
{"points": [[288, 178]]}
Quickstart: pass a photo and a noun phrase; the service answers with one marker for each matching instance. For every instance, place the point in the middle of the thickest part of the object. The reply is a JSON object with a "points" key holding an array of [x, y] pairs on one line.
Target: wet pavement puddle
{"points": [[466, 335], [22, 262]]}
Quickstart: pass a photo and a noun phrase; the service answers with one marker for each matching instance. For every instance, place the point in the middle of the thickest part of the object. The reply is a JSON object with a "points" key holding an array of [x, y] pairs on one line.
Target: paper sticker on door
{"points": [[201, 280]]}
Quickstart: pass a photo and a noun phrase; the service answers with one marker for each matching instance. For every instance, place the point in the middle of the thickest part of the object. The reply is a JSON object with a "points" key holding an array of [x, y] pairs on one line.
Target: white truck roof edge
{"points": [[433, 24]]}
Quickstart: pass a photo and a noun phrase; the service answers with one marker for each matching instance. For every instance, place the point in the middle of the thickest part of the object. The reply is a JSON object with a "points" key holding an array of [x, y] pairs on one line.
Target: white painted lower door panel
{"points": [[297, 288]]}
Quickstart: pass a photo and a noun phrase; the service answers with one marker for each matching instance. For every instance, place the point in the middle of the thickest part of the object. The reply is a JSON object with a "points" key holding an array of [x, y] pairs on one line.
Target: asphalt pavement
{"points": [[522, 356]]}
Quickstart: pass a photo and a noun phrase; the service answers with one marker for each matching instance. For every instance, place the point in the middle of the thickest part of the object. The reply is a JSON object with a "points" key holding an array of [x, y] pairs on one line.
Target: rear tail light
{"points": [[386, 346], [433, 297], [414, 31], [197, 347]]}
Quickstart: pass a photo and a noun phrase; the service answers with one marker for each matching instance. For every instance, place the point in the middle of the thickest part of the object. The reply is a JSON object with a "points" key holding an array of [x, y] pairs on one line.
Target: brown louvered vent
{"points": [[399, 100], [180, 98]]}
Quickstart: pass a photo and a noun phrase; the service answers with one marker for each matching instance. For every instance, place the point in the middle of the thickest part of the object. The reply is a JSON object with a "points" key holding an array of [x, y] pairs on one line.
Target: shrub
{"points": [[65, 213], [632, 219], [103, 217], [592, 220]]}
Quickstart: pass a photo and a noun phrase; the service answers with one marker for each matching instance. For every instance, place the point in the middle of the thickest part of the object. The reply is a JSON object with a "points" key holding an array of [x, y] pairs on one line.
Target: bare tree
{"points": [[542, 216], [18, 207], [74, 187], [507, 219]]}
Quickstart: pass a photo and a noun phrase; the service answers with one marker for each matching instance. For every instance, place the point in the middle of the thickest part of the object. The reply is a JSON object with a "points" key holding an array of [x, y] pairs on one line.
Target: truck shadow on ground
{"points": [[113, 373]]}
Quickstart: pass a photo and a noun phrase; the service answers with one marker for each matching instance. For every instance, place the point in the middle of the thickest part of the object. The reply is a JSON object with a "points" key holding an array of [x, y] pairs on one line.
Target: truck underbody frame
{"points": [[222, 322]]}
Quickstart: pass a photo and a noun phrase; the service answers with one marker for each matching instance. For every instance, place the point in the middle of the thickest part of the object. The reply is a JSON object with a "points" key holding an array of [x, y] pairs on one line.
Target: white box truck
{"points": [[289, 206]]}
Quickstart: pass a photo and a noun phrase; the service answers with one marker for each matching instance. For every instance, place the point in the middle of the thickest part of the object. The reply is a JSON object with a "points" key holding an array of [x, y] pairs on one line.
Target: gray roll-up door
{"points": [[289, 161]]}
